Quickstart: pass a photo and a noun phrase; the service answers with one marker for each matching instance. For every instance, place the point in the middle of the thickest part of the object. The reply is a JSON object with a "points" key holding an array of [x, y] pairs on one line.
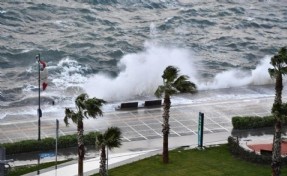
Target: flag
{"points": [[43, 65], [43, 74]]}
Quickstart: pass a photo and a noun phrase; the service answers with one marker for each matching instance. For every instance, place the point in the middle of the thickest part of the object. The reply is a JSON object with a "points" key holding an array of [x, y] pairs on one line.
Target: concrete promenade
{"points": [[142, 128]]}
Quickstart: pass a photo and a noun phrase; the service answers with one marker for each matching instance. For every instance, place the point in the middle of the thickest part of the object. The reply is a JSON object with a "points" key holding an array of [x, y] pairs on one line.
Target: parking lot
{"points": [[144, 124]]}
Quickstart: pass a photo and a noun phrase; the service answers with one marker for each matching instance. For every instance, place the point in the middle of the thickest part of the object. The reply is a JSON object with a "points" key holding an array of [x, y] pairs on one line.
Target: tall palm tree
{"points": [[279, 62], [86, 107], [172, 84], [111, 138]]}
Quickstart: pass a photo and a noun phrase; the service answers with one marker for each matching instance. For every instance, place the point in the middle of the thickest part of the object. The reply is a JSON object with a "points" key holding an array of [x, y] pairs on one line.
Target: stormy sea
{"points": [[117, 50]]}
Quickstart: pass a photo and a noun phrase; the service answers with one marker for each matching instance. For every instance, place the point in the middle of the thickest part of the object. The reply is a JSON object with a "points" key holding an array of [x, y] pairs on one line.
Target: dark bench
{"points": [[266, 152], [128, 105], [152, 103]]}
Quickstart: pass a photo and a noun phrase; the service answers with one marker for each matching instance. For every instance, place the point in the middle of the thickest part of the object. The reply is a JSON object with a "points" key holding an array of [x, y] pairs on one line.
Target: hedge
{"points": [[251, 122], [240, 152], [47, 144]]}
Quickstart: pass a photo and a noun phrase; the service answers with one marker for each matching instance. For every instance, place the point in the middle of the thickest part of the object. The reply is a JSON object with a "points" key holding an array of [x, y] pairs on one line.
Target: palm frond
{"points": [[77, 116], [113, 137], [80, 101], [170, 90], [183, 85], [274, 61], [272, 72], [68, 115], [170, 73], [283, 53], [93, 107], [284, 70], [99, 140], [159, 91]]}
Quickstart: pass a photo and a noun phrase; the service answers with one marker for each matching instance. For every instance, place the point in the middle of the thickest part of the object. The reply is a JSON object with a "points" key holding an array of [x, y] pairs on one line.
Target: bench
{"points": [[128, 105], [152, 103], [266, 152]]}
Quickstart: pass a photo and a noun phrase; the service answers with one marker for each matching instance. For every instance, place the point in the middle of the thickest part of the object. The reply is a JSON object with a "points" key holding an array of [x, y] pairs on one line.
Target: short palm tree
{"points": [[172, 84], [86, 107], [279, 62], [111, 138]]}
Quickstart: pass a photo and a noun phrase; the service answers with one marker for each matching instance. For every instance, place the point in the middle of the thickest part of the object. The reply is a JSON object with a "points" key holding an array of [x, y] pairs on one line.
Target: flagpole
{"points": [[39, 99]]}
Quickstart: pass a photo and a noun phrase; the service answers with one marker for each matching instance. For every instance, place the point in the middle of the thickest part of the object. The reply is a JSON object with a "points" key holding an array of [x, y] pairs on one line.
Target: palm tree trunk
{"points": [[276, 110], [276, 153], [165, 129], [81, 148], [103, 171]]}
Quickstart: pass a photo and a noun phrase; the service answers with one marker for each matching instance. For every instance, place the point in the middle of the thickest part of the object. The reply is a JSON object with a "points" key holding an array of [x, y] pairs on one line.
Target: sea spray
{"points": [[67, 73], [238, 77], [140, 73]]}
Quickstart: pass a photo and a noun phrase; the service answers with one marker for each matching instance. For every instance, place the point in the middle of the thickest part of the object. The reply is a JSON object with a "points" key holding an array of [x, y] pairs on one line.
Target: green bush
{"points": [[29, 145], [249, 122], [240, 152], [47, 144], [67, 141], [90, 138]]}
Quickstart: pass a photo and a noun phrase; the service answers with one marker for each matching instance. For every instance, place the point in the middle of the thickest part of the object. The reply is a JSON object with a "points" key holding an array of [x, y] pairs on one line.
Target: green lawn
{"points": [[20, 170], [214, 161]]}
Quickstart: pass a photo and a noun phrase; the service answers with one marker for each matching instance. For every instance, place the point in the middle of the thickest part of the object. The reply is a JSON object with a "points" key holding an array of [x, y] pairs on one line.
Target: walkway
{"points": [[142, 128]]}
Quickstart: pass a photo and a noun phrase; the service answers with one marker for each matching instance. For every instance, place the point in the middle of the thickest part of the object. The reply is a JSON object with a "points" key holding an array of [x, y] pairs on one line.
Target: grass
{"points": [[20, 170], [213, 161]]}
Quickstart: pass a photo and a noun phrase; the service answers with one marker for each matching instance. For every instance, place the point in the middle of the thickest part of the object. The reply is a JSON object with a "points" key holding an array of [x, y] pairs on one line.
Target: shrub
{"points": [[90, 138], [240, 152], [67, 141], [47, 144], [249, 122]]}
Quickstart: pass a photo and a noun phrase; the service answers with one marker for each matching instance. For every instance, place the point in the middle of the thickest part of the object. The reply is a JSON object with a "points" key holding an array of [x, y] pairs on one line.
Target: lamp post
{"points": [[39, 111]]}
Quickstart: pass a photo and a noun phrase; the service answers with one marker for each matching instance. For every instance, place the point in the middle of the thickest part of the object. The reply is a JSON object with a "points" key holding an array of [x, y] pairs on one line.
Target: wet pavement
{"points": [[142, 127]]}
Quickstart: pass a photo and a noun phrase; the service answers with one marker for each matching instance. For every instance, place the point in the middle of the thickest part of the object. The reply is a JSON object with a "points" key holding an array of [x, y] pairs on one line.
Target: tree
{"points": [[111, 138], [279, 62], [172, 84], [85, 108]]}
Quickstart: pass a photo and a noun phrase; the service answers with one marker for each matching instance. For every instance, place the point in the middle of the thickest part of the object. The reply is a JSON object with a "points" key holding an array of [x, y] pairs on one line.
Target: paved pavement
{"points": [[143, 124], [142, 128], [130, 152]]}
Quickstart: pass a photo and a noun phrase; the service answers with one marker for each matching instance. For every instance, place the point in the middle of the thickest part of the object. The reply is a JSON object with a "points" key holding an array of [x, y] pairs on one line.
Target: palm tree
{"points": [[85, 108], [111, 138], [172, 84], [279, 62]]}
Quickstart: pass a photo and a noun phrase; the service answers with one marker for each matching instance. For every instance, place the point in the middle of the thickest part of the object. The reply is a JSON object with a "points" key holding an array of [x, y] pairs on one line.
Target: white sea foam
{"points": [[237, 77], [141, 74], [71, 73]]}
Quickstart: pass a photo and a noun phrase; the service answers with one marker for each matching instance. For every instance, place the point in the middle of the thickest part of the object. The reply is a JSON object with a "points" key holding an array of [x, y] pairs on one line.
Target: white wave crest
{"points": [[70, 73], [237, 77], [141, 74]]}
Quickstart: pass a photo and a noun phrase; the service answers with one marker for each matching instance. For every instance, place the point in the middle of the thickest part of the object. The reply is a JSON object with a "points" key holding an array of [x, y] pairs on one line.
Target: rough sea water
{"points": [[118, 49]]}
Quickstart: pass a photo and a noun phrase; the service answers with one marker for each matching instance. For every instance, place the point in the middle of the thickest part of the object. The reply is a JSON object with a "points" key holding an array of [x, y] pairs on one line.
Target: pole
{"points": [[38, 171], [57, 135], [200, 129], [39, 99], [107, 161]]}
